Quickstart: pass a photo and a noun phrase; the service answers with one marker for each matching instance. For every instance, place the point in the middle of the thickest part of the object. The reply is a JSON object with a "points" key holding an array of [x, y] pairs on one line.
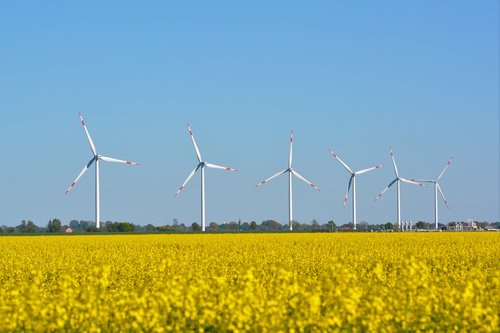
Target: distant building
{"points": [[469, 225]]}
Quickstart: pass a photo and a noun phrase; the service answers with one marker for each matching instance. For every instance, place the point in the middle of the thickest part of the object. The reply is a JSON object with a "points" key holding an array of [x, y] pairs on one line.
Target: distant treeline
{"points": [[56, 226], [75, 226]]}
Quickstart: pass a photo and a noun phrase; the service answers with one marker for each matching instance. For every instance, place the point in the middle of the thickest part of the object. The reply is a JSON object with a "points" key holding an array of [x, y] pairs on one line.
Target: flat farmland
{"points": [[349, 282]]}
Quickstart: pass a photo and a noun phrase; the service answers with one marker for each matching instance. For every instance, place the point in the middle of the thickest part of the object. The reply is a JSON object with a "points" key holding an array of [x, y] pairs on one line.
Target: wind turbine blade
{"points": [[341, 162], [85, 168], [91, 143], [187, 180], [290, 157], [304, 180], [110, 159], [442, 195], [446, 167], [198, 155], [423, 180], [348, 190], [385, 190], [404, 180], [272, 177], [215, 166], [394, 162], [369, 169]]}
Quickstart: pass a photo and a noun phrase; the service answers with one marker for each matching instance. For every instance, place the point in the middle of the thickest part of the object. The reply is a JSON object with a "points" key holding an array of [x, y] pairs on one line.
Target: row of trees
{"points": [[267, 225], [28, 227], [89, 226], [271, 225], [56, 226]]}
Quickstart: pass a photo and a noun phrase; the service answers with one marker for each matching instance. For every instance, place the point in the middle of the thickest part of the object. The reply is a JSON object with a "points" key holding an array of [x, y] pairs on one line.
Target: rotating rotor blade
{"points": [[215, 166], [272, 177], [442, 195], [404, 180], [388, 186], [198, 155], [91, 143], [394, 163], [446, 167], [290, 157], [110, 159], [85, 168], [296, 174], [187, 180], [369, 169], [341, 162], [423, 180], [348, 190]]}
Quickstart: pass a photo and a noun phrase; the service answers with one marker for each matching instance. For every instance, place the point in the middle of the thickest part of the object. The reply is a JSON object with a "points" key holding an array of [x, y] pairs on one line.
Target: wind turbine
{"points": [[398, 181], [291, 172], [201, 165], [352, 181], [96, 158], [436, 189]]}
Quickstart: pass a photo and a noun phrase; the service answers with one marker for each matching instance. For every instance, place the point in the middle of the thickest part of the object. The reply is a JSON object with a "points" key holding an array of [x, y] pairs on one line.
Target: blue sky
{"points": [[358, 77]]}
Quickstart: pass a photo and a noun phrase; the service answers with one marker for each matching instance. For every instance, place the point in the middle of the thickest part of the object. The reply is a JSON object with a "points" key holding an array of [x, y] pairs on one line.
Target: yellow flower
{"points": [[352, 282]]}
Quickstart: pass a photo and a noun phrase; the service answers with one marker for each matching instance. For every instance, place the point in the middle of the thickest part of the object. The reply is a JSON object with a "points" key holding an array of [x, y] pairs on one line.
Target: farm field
{"points": [[350, 282]]}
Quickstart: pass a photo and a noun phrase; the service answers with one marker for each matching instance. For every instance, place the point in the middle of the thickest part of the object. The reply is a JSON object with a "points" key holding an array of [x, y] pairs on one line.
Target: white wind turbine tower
{"points": [[291, 172], [352, 181], [437, 188], [96, 158], [201, 165], [398, 181]]}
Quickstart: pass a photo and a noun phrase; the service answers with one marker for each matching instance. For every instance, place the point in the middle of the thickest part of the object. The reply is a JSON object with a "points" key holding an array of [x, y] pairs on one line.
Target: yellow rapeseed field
{"points": [[399, 282]]}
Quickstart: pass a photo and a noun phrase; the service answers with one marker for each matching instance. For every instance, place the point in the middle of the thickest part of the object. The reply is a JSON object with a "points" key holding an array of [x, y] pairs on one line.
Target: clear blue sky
{"points": [[357, 76]]}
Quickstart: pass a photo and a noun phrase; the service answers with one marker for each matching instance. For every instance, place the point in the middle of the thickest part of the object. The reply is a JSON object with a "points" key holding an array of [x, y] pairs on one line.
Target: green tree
{"points": [[92, 228], [195, 227], [150, 228], [108, 225], [314, 224], [271, 225], [119, 226], [123, 227], [389, 226], [332, 226], [233, 226], [27, 227], [253, 225], [54, 225], [213, 226], [421, 225]]}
